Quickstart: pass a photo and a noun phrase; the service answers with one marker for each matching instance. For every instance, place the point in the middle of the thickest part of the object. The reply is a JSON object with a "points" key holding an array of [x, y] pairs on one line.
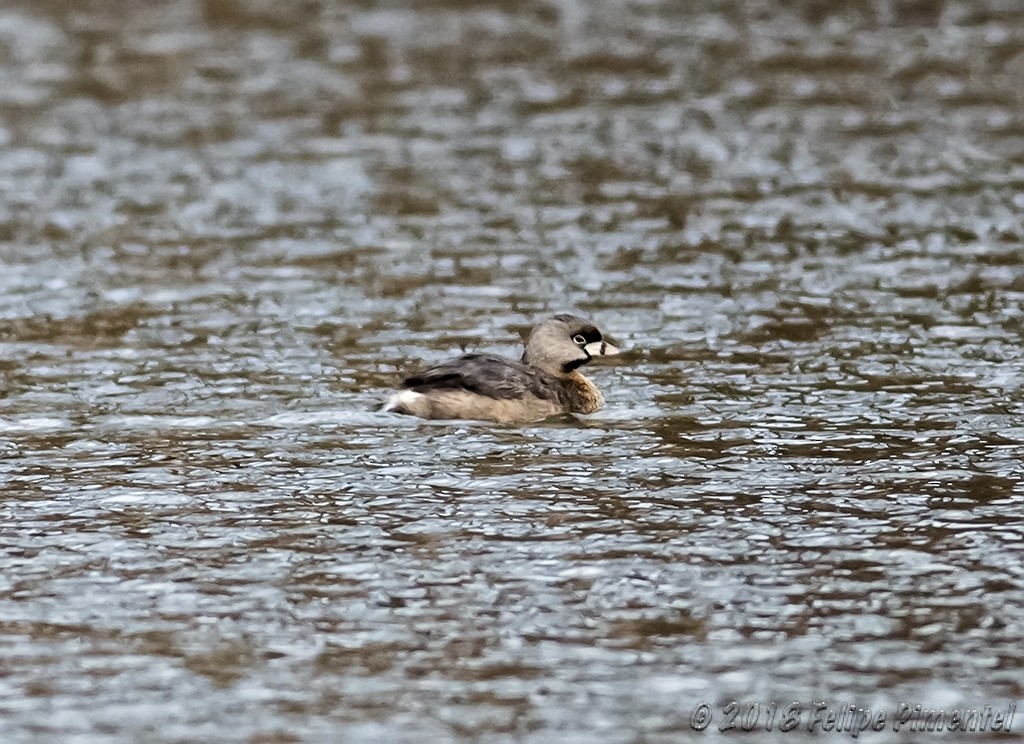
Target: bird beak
{"points": [[600, 348]]}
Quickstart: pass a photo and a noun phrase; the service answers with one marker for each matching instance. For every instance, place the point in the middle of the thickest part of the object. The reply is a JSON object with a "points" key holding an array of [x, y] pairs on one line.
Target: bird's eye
{"points": [[579, 340]]}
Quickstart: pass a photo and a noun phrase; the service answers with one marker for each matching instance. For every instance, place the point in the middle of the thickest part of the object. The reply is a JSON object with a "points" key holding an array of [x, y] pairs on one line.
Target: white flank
{"points": [[402, 398]]}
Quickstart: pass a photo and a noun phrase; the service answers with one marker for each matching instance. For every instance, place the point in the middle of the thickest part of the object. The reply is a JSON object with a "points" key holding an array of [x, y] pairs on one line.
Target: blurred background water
{"points": [[227, 227]]}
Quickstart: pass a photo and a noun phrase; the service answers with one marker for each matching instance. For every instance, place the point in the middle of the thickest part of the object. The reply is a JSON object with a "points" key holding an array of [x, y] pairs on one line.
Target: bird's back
{"points": [[482, 386]]}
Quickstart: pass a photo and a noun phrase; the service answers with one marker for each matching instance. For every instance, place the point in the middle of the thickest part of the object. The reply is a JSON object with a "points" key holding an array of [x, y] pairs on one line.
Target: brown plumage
{"points": [[545, 382]]}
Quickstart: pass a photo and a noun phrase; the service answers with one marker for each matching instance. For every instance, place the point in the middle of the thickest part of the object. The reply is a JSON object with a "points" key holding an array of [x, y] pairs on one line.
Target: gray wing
{"points": [[490, 375]]}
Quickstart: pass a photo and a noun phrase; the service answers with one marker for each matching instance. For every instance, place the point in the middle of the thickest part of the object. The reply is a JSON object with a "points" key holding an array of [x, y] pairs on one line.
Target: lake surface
{"points": [[228, 227]]}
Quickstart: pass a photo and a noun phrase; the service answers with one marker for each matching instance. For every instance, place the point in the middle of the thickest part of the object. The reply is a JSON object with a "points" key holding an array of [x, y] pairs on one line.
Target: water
{"points": [[228, 228]]}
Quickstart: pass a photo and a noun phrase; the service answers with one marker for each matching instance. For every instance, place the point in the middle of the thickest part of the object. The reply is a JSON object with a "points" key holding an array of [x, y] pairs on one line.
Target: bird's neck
{"points": [[584, 396]]}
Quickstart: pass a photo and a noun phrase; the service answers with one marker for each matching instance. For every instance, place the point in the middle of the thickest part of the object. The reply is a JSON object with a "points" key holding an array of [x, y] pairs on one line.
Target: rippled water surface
{"points": [[227, 227]]}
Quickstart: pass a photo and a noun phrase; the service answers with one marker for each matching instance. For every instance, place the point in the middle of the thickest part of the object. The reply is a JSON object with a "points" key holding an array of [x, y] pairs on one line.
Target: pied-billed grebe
{"points": [[544, 383]]}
